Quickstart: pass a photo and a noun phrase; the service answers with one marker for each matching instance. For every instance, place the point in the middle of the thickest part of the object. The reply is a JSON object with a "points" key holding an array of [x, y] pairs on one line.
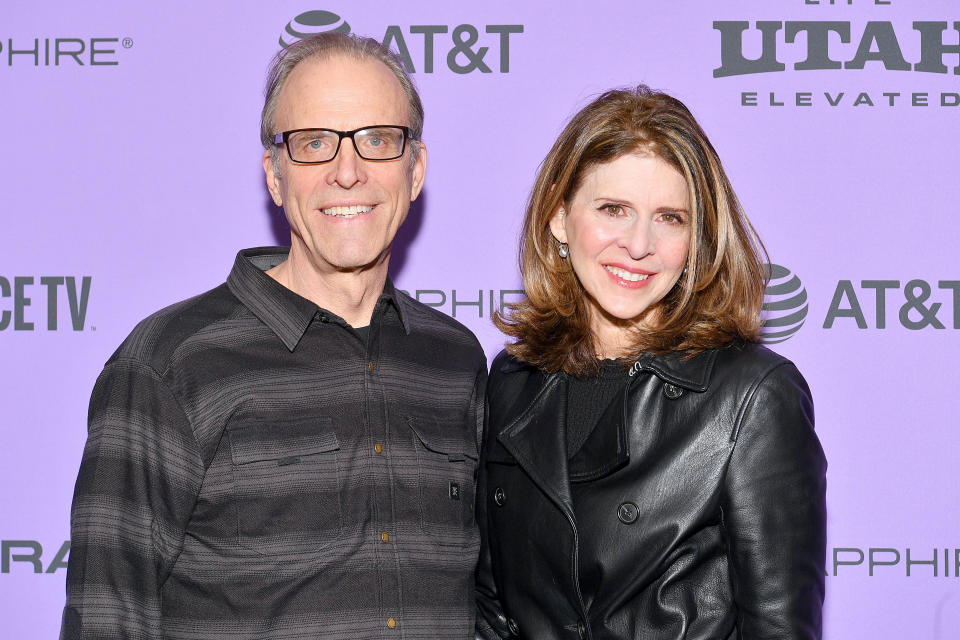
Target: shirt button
{"points": [[628, 513], [499, 497], [391, 623], [378, 448], [513, 626], [385, 536], [371, 366], [672, 391]]}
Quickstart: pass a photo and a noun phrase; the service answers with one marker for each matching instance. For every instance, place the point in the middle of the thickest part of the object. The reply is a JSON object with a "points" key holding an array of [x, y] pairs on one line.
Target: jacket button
{"points": [[672, 391], [628, 513], [582, 630], [513, 626], [499, 496]]}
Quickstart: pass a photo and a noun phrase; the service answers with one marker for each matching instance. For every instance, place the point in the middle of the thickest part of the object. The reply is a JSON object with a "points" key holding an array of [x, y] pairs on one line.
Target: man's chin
{"points": [[361, 263], [321, 259]]}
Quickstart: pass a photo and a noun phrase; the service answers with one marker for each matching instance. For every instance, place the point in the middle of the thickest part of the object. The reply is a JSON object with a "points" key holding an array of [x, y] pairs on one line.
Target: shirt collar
{"points": [[400, 302], [287, 314]]}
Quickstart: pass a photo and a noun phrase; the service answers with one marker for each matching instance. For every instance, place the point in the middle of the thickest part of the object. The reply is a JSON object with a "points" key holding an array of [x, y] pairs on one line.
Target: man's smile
{"points": [[348, 211]]}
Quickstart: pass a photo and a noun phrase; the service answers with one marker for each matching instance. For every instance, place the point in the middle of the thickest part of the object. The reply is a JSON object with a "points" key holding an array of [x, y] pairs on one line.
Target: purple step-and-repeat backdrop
{"points": [[131, 176]]}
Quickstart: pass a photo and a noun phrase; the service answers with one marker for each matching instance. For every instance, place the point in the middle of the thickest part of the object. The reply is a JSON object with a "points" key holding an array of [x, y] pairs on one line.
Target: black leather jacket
{"points": [[695, 510]]}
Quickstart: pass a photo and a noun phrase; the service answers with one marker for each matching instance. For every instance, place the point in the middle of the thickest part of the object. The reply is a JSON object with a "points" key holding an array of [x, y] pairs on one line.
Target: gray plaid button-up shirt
{"points": [[256, 468]]}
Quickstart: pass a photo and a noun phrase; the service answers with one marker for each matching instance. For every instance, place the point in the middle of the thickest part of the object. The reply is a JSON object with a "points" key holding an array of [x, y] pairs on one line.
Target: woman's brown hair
{"points": [[718, 298]]}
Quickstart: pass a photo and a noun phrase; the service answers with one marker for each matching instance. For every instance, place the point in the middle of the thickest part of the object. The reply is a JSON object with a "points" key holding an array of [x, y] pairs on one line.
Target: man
{"points": [[292, 454]]}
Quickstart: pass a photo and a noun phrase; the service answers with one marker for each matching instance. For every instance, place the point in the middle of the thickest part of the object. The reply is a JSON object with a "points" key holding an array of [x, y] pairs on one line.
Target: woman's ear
{"points": [[558, 224]]}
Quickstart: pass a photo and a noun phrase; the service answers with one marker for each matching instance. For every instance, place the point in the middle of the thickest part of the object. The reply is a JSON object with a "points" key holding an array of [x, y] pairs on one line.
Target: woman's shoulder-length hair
{"points": [[719, 297]]}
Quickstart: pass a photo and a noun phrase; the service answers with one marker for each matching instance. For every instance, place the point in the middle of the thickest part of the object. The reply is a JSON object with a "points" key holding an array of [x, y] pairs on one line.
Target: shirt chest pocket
{"points": [[287, 484], [447, 465]]}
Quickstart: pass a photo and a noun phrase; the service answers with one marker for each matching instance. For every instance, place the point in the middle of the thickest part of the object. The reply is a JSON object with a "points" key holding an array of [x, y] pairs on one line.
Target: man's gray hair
{"points": [[323, 46]]}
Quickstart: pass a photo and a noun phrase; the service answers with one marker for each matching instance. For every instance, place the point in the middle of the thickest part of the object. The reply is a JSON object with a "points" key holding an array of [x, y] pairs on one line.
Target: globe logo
{"points": [[784, 305], [311, 23]]}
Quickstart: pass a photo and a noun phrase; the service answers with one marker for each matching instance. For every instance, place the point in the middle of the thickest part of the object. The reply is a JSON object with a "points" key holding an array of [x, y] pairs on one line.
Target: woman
{"points": [[649, 471]]}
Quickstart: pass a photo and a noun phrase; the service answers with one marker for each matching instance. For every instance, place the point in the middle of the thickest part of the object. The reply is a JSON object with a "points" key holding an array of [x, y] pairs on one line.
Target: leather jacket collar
{"points": [[690, 373], [536, 438]]}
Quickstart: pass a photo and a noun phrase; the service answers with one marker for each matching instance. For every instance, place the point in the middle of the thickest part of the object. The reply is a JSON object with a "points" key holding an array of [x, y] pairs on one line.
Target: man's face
{"points": [[343, 214]]}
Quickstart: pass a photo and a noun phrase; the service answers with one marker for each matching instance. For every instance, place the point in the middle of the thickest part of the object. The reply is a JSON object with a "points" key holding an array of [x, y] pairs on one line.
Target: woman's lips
{"points": [[626, 277]]}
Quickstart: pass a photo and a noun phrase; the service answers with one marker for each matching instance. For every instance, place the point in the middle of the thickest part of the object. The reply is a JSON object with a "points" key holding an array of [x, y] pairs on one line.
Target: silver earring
{"points": [[563, 250]]}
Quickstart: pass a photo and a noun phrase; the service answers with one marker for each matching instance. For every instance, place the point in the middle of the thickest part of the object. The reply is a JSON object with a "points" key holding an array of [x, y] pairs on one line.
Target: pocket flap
{"points": [[282, 440], [442, 439]]}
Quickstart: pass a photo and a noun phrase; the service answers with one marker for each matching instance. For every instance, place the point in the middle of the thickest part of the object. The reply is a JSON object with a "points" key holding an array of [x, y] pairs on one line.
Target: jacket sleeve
{"points": [[774, 511], [138, 483]]}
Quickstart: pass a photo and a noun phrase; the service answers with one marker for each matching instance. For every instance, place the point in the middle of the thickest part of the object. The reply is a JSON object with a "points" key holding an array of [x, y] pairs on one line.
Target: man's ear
{"points": [[273, 181], [418, 172], [558, 224]]}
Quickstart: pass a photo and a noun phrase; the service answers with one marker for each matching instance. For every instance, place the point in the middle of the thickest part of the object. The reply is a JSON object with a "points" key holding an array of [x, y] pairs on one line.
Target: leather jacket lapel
{"points": [[537, 437], [537, 440], [607, 448]]}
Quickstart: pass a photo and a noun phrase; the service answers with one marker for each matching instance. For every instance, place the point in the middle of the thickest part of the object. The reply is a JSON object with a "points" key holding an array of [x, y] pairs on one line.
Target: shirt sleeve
{"points": [[138, 483], [774, 511]]}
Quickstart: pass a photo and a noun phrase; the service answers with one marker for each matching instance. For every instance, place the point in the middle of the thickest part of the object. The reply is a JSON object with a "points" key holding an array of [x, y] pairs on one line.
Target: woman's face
{"points": [[628, 232]]}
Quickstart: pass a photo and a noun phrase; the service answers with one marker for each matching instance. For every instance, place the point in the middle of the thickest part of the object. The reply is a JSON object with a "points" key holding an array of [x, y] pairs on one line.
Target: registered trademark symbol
{"points": [[127, 43]]}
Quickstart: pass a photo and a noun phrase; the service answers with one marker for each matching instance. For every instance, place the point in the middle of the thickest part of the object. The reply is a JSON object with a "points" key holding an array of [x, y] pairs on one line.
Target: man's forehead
{"points": [[341, 92]]}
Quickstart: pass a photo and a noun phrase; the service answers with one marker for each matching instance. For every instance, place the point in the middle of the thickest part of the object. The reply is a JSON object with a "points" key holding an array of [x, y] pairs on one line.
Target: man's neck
{"points": [[352, 295]]}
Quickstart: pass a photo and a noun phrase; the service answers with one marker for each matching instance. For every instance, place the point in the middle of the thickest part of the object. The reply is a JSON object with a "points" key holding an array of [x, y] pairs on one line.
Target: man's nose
{"points": [[348, 167]]}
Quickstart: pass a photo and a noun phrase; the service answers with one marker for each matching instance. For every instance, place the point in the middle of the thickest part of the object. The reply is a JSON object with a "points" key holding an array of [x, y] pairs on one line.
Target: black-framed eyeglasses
{"points": [[316, 146]]}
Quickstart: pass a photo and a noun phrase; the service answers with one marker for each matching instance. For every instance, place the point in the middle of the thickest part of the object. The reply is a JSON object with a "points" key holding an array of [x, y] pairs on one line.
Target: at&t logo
{"points": [[311, 23], [461, 48], [784, 305], [915, 306]]}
